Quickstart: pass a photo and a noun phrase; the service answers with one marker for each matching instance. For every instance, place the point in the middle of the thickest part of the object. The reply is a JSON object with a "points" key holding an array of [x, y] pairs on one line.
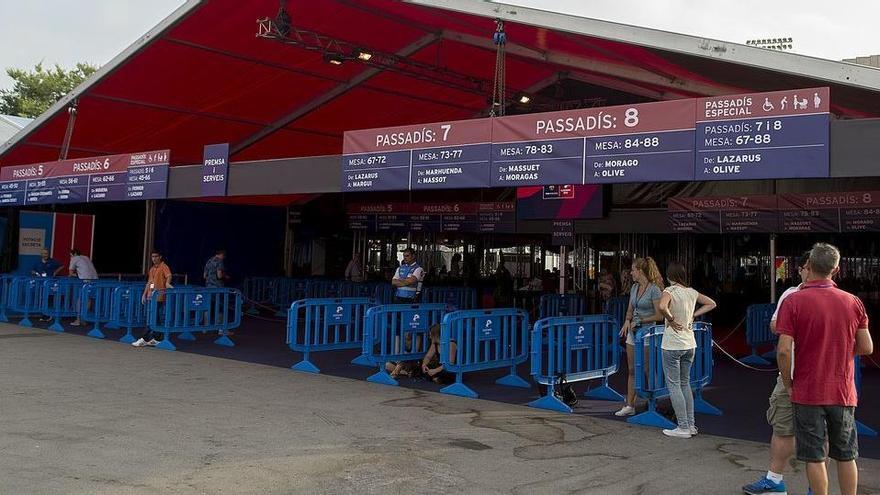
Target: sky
{"points": [[71, 31]]}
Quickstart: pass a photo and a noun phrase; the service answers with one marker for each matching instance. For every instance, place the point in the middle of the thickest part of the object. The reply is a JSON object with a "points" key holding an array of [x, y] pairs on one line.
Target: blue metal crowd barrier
{"points": [[528, 300], [286, 291], [127, 310], [360, 289], [861, 428], [455, 298], [398, 332], [324, 289], [96, 304], [484, 339], [651, 381], [26, 297], [325, 324], [562, 305], [5, 290], [758, 333], [575, 348], [259, 291], [194, 309], [60, 298], [384, 293], [616, 307]]}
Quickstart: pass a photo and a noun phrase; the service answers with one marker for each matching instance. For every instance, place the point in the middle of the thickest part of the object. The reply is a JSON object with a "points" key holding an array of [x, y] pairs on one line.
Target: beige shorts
{"points": [[780, 414]]}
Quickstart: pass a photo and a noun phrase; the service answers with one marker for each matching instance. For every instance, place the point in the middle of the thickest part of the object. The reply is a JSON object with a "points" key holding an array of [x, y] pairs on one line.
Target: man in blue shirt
{"points": [[407, 279], [215, 270], [46, 267]]}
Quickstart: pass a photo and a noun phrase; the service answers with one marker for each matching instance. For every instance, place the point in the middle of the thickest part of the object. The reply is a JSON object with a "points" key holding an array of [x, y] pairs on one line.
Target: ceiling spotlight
{"points": [[333, 59], [524, 99], [362, 54]]}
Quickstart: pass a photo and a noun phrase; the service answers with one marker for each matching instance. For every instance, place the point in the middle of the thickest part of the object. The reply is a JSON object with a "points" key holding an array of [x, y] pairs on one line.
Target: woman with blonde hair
{"points": [[643, 308]]}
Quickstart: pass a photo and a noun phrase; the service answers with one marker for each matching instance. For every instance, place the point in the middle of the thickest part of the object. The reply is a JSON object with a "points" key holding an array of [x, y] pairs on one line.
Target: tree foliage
{"points": [[34, 91]]}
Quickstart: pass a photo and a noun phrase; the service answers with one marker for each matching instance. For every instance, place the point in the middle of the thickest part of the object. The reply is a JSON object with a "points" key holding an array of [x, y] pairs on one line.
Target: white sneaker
{"points": [[694, 431], [153, 343], [678, 433], [140, 343], [626, 411]]}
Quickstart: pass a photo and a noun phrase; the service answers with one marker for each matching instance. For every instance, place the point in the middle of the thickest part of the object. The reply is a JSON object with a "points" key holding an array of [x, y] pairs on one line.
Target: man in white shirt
{"points": [[354, 272], [82, 267], [780, 415]]}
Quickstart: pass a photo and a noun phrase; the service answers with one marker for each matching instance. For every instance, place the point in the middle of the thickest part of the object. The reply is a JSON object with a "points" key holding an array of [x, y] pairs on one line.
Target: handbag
{"points": [[564, 392]]}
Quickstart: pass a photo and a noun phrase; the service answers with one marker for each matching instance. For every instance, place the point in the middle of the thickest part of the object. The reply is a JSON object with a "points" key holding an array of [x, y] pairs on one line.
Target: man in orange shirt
{"points": [[158, 280]]}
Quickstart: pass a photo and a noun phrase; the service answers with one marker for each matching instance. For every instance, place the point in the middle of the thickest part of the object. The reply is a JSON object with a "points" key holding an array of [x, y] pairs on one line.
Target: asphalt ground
{"points": [[84, 416]]}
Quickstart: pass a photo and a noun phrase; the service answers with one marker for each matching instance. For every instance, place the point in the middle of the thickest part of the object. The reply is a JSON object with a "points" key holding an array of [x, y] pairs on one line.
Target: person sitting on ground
{"points": [[431, 366]]}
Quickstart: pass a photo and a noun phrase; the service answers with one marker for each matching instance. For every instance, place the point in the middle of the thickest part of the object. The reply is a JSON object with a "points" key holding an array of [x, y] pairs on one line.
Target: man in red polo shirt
{"points": [[825, 328]]}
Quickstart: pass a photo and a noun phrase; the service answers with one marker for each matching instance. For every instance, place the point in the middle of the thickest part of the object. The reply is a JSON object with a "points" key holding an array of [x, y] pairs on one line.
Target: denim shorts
{"points": [[812, 424]]}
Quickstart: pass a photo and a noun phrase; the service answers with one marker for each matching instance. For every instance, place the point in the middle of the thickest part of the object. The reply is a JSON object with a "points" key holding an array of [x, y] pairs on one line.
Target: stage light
{"points": [[333, 59], [362, 54], [524, 99]]}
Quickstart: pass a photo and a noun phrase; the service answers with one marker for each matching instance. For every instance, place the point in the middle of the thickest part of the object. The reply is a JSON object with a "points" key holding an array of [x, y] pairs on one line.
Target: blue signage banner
{"points": [[578, 337], [488, 327], [339, 314], [778, 135], [215, 169]]}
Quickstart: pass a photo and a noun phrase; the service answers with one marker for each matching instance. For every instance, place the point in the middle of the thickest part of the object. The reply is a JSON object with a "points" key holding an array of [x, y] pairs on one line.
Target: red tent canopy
{"points": [[203, 76]]}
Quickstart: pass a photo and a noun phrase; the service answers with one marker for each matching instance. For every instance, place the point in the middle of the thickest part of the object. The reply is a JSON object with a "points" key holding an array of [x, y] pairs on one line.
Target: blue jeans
{"points": [[677, 368]]}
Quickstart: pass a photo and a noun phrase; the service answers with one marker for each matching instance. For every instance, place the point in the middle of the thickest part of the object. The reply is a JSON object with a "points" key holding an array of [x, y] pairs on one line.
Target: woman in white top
{"points": [[678, 347]]}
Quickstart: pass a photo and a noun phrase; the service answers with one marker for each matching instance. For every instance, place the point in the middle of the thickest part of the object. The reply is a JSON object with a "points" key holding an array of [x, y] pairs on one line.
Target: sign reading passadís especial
{"points": [[782, 134], [106, 178], [778, 135]]}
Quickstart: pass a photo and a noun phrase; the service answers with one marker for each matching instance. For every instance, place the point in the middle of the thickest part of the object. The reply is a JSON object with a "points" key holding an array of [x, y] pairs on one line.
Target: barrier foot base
{"points": [[383, 378], [755, 360], [305, 366], [865, 430], [771, 355], [550, 403], [603, 392], [280, 313], [363, 360], [513, 380], [56, 327], [4, 319], [187, 336], [652, 418], [96, 333], [459, 389], [703, 407], [224, 340], [252, 311], [128, 338], [25, 322], [166, 345]]}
